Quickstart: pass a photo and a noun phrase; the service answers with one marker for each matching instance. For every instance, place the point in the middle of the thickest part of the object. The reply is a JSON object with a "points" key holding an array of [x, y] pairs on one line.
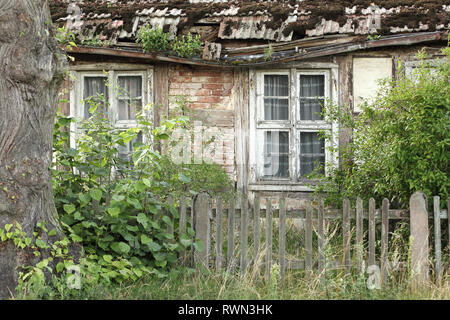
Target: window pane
{"points": [[128, 108], [312, 85], [276, 154], [312, 152], [93, 87], [125, 151], [311, 109], [276, 109], [276, 85], [130, 93]]}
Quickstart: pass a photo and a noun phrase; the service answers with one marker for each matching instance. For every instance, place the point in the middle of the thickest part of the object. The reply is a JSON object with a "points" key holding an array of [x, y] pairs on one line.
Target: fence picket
{"points": [[448, 222], [320, 236], [346, 234], [182, 225], [244, 228], [308, 239], [384, 237], [170, 227], [282, 237], [437, 237], [202, 228], [419, 239], [359, 233], [257, 226], [230, 245], [268, 237], [219, 233], [371, 231]]}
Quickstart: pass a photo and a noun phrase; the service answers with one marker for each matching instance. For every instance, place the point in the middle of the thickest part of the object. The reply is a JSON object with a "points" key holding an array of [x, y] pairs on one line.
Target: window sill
{"points": [[281, 186]]}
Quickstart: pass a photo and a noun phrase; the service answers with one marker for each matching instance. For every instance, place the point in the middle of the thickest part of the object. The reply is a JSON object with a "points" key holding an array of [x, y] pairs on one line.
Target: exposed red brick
{"points": [[210, 99], [212, 86]]}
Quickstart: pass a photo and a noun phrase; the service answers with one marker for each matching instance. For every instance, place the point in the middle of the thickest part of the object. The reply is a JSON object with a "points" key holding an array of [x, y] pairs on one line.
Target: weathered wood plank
{"points": [[257, 230], [230, 247], [219, 233], [202, 228], [448, 222], [437, 238], [182, 226], [268, 237], [419, 239], [384, 238], [372, 232], [346, 233], [282, 237], [244, 230], [359, 234], [320, 236], [308, 239], [170, 227]]}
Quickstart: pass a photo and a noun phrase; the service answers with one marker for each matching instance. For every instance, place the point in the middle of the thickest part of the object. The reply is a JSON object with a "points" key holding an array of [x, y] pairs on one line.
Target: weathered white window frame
{"points": [[411, 65], [112, 73], [295, 126]]}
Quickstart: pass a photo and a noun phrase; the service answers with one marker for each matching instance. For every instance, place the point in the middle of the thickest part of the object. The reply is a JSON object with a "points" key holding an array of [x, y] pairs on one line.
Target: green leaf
{"points": [[142, 219], [167, 220], [52, 233], [184, 178], [185, 241], [135, 203], [69, 208], [96, 194], [154, 247], [41, 244], [78, 216], [108, 258], [145, 239], [60, 267], [199, 246], [120, 247], [114, 212], [161, 264]]}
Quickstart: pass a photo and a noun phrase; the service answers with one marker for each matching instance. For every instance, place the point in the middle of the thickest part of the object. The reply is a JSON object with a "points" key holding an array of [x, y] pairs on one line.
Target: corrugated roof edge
{"points": [[240, 61]]}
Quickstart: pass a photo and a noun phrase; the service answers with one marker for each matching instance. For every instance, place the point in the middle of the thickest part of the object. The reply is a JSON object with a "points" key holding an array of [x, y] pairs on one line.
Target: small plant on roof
{"points": [[187, 46], [152, 39]]}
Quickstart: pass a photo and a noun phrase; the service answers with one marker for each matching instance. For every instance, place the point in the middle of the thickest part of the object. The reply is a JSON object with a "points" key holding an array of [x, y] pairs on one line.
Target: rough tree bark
{"points": [[32, 67]]}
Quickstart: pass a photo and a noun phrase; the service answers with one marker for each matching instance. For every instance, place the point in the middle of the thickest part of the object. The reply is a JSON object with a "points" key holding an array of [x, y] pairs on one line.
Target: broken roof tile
{"points": [[279, 21]]}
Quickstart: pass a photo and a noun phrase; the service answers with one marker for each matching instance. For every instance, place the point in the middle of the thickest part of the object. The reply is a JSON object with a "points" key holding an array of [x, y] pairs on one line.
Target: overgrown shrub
{"points": [[116, 205], [187, 46], [152, 39], [401, 141]]}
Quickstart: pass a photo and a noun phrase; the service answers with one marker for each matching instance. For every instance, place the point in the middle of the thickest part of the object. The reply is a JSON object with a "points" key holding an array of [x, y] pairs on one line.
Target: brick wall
{"points": [[208, 94]]}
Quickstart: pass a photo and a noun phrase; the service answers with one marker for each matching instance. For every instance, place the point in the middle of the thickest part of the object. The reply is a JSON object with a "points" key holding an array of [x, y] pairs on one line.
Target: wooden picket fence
{"points": [[206, 214]]}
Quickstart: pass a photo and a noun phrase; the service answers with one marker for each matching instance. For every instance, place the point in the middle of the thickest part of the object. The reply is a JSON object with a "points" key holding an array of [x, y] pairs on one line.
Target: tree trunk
{"points": [[32, 67]]}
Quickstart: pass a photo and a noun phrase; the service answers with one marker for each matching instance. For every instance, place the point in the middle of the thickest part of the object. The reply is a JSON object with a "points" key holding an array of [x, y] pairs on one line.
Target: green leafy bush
{"points": [[156, 40], [152, 39], [187, 46], [116, 204], [401, 141]]}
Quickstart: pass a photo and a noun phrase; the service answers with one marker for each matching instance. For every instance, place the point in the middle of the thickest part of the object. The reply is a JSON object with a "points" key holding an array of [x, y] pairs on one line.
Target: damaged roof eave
{"points": [[239, 61]]}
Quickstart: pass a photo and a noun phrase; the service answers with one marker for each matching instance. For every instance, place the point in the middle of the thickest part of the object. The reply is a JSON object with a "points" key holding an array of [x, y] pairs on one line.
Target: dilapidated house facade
{"points": [[266, 68]]}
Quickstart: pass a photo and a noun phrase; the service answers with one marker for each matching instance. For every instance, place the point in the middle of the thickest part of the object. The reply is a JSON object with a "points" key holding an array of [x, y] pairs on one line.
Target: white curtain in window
{"points": [[93, 87], [312, 152], [311, 88], [276, 154], [130, 97], [277, 106]]}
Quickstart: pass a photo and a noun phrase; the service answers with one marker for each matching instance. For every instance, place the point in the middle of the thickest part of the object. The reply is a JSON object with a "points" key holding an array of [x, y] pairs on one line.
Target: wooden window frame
{"points": [[295, 126], [112, 73]]}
